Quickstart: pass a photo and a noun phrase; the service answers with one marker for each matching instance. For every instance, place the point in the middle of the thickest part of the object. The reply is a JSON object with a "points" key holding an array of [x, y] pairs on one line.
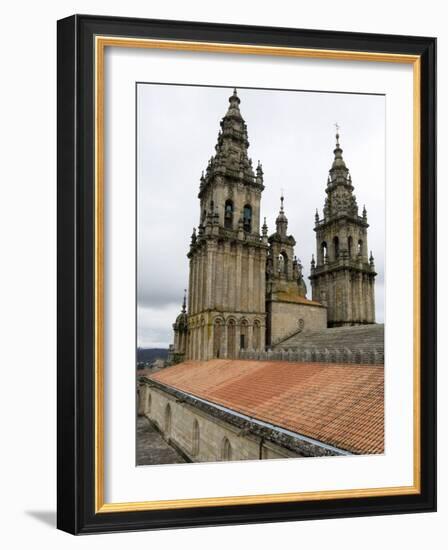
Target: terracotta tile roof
{"points": [[339, 404]]}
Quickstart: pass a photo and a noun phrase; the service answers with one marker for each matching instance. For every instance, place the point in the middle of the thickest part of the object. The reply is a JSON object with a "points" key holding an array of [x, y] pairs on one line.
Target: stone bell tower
{"points": [[226, 298], [343, 276], [287, 307]]}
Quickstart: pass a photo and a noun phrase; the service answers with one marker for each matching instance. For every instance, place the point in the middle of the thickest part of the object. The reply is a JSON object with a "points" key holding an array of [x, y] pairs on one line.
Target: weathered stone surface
{"points": [[218, 432], [359, 344], [152, 448]]}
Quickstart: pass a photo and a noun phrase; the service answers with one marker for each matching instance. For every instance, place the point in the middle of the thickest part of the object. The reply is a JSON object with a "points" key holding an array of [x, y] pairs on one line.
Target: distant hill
{"points": [[145, 355]]}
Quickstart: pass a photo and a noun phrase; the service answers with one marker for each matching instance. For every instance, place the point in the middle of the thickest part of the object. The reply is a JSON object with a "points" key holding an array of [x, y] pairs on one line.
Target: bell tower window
{"points": [[336, 247], [323, 252], [283, 263], [228, 215], [247, 218]]}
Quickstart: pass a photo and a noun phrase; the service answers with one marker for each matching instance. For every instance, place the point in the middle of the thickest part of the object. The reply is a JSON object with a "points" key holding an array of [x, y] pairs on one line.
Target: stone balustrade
{"points": [[317, 355]]}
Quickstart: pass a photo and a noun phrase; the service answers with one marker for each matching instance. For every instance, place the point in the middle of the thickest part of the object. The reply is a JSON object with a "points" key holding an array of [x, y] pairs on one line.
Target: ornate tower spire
{"points": [[282, 221], [338, 160], [340, 198], [231, 152]]}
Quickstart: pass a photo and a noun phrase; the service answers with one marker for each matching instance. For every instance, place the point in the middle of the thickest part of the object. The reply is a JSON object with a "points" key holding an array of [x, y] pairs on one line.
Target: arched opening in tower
{"points": [[247, 218], [228, 214]]}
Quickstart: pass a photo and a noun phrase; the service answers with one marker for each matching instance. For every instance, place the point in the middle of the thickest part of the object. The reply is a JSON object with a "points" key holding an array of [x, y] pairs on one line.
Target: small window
{"points": [[257, 335], [226, 451], [243, 334], [324, 251], [247, 218], [336, 247], [283, 263], [228, 215], [217, 338]]}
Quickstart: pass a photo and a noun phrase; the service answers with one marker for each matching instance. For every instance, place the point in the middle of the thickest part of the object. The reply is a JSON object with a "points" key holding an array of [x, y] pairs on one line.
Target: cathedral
{"points": [[257, 369], [246, 289]]}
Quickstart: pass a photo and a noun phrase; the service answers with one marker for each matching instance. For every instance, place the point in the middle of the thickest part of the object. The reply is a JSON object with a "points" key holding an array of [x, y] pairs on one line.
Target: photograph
{"points": [[246, 273], [260, 299]]}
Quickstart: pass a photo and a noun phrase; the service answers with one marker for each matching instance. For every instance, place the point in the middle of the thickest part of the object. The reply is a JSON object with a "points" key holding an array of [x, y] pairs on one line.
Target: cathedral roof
{"points": [[341, 405]]}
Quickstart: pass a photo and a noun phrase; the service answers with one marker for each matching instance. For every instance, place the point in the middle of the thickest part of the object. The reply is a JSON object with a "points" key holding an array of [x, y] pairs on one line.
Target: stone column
{"points": [[238, 278], [203, 279], [262, 288], [217, 278], [190, 285], [176, 340], [237, 340], [250, 283], [211, 337], [225, 338], [193, 343], [199, 329], [196, 341], [225, 275], [360, 299], [198, 279], [187, 345], [210, 268], [192, 298], [250, 333]]}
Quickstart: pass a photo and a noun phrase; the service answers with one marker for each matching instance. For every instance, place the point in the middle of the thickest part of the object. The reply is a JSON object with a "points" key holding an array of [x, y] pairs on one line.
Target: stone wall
{"points": [[200, 435], [287, 318]]}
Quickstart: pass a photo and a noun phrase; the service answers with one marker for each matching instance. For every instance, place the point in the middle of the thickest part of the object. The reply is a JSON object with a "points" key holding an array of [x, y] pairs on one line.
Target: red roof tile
{"points": [[339, 404]]}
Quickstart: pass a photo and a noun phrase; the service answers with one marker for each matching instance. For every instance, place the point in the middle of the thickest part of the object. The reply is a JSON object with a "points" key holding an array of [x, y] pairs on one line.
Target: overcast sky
{"points": [[292, 133]]}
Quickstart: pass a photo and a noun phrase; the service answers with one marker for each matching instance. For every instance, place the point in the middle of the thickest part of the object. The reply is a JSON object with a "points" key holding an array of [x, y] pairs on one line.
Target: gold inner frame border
{"points": [[100, 44]]}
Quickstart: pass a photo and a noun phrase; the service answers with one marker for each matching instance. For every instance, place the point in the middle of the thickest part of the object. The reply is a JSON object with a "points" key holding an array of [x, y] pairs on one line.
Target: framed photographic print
{"points": [[246, 274]]}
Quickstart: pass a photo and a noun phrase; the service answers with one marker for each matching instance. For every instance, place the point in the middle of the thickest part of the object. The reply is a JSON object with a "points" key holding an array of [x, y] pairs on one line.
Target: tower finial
{"points": [[264, 228], [282, 221], [234, 98], [336, 125]]}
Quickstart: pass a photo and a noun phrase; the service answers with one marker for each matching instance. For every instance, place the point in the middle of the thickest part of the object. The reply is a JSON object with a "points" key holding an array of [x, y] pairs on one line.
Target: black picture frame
{"points": [[76, 286]]}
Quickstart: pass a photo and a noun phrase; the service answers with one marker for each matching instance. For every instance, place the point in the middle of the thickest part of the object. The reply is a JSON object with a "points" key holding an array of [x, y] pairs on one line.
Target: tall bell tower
{"points": [[226, 298], [343, 275]]}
